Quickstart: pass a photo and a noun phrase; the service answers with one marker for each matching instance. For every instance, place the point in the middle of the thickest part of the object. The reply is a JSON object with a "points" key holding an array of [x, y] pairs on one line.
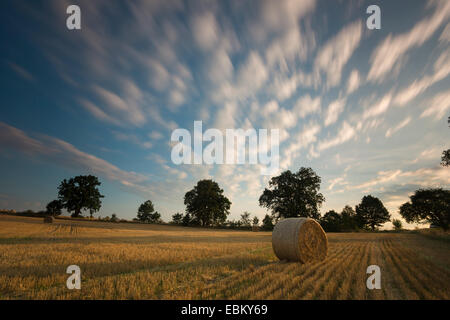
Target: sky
{"points": [[366, 109]]}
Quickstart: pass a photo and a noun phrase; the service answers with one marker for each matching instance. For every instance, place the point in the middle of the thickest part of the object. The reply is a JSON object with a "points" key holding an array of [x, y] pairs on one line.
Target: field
{"points": [[133, 261]]}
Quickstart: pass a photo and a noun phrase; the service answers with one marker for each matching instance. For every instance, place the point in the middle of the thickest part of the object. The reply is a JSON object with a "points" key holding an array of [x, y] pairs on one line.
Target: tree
{"points": [[397, 223], [371, 213], [255, 221], [331, 221], [54, 208], [80, 193], [206, 203], [445, 159], [267, 223], [177, 218], [348, 216], [186, 220], [428, 205], [245, 219], [293, 194], [114, 218], [146, 213]]}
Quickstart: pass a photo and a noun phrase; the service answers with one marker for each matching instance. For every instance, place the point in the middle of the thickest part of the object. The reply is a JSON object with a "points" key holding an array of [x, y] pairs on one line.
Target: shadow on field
{"points": [[131, 239]]}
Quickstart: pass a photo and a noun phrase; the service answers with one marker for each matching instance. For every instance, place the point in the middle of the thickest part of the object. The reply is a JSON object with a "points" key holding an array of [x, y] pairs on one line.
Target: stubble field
{"points": [[134, 261]]}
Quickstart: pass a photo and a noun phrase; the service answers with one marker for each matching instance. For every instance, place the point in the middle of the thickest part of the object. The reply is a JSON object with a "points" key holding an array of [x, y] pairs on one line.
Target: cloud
{"points": [[116, 109], [336, 52], [337, 181], [427, 154], [439, 106], [305, 105], [21, 71], [278, 16], [205, 30], [334, 110], [354, 81], [401, 125], [155, 135], [253, 74], [425, 177], [292, 45], [441, 71], [346, 133], [98, 113], [284, 87], [133, 139], [300, 141], [64, 153], [445, 36], [393, 49], [380, 107]]}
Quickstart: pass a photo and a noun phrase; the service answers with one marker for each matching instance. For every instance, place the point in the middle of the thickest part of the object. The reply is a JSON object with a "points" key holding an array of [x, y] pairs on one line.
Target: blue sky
{"points": [[366, 109]]}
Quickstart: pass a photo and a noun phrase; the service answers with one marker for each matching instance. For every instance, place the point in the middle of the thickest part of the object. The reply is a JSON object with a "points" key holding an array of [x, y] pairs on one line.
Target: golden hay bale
{"points": [[299, 239], [48, 219]]}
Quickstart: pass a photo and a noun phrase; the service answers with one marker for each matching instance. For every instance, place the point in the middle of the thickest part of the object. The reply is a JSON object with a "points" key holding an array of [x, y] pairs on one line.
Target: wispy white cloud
{"points": [[300, 141], [438, 106], [398, 127], [380, 107], [393, 49], [64, 153], [354, 81], [441, 71], [132, 138], [21, 71], [305, 106], [346, 132], [334, 110], [336, 52]]}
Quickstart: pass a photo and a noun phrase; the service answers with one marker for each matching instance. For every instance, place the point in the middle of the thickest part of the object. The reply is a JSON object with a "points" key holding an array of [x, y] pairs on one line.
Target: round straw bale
{"points": [[48, 219], [299, 239]]}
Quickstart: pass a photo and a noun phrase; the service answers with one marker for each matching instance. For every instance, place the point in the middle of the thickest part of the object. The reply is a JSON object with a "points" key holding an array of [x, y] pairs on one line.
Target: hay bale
{"points": [[299, 239], [48, 219]]}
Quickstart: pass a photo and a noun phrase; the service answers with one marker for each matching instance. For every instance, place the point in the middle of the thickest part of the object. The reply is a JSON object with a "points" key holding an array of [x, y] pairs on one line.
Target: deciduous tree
{"points": [[294, 194]]}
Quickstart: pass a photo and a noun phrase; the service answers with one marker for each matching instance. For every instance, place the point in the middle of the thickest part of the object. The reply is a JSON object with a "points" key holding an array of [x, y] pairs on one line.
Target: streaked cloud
{"points": [[394, 48], [398, 127]]}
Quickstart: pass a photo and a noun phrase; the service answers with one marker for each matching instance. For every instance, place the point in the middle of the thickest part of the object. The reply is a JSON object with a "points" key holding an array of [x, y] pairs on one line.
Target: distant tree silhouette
{"points": [[206, 204], [54, 208], [245, 219], [177, 218], [371, 213], [348, 216], [146, 213], [428, 205], [397, 224], [80, 193], [445, 159], [255, 220], [267, 223], [331, 221], [186, 220], [293, 194]]}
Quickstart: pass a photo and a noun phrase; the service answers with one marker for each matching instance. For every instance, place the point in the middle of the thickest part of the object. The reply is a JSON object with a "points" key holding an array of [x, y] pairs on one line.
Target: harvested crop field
{"points": [[134, 261]]}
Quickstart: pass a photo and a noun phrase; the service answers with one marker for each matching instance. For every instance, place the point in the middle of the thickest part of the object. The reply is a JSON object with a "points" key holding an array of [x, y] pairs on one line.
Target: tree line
{"points": [[288, 195], [291, 194]]}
